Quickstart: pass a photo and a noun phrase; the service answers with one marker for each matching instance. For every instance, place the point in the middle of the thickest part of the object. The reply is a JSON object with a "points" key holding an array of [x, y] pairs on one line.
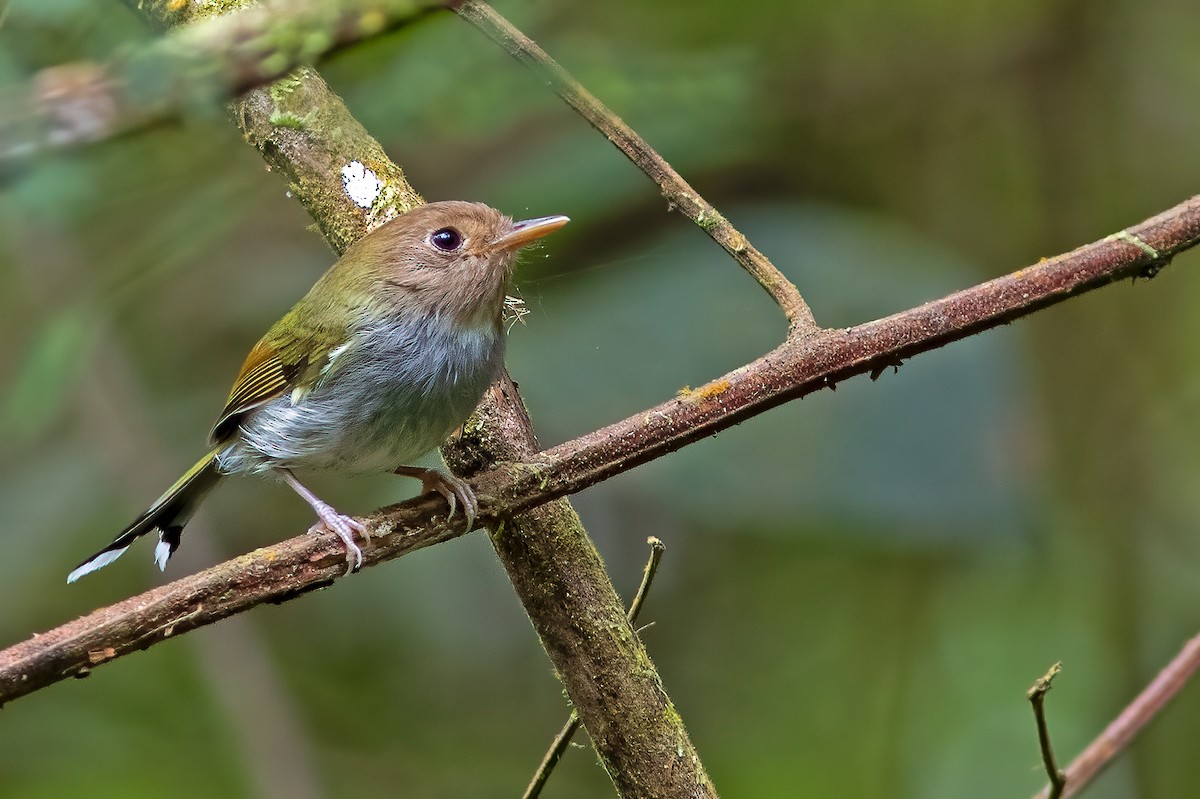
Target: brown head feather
{"points": [[412, 275]]}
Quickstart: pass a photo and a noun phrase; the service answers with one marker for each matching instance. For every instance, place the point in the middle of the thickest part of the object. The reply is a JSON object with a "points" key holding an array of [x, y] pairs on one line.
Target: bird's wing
{"points": [[269, 371]]}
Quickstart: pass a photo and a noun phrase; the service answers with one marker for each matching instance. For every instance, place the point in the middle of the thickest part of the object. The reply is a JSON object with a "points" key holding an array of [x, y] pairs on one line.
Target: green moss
{"points": [[473, 425], [286, 119], [537, 471], [179, 13], [280, 89], [709, 221]]}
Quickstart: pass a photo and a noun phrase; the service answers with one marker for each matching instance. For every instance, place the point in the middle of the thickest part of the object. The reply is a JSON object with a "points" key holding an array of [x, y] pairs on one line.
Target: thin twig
{"points": [[657, 548], [793, 370], [552, 756], [1037, 698], [677, 191], [563, 739], [1117, 736]]}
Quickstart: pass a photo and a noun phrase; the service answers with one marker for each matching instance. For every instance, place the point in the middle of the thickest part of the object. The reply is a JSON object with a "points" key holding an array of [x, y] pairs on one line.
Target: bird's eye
{"points": [[446, 239]]}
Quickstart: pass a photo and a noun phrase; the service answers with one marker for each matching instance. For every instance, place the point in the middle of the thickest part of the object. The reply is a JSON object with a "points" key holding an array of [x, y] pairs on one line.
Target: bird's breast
{"points": [[392, 394]]}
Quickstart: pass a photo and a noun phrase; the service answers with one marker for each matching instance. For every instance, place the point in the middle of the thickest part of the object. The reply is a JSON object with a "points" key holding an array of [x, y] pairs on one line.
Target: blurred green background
{"points": [[858, 587]]}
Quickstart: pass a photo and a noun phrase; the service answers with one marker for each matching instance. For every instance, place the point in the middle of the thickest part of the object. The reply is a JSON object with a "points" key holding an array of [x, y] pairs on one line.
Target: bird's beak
{"points": [[521, 233]]}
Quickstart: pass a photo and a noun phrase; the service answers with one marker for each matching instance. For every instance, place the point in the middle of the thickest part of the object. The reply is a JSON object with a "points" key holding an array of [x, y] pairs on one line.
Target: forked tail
{"points": [[168, 515]]}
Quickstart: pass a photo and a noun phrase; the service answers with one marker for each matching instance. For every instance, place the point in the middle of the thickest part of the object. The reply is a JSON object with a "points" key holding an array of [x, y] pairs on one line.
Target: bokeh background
{"points": [[858, 587]]}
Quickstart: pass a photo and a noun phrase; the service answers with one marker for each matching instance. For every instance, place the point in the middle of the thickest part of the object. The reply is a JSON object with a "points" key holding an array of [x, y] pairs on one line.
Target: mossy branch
{"points": [[189, 70]]}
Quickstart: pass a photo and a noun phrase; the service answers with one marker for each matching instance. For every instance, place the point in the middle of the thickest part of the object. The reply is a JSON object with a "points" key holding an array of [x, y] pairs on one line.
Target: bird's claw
{"points": [[330, 521], [344, 527], [454, 490]]}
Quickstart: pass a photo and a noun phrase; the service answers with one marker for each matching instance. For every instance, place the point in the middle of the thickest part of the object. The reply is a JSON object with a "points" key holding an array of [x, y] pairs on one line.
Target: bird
{"points": [[388, 353]]}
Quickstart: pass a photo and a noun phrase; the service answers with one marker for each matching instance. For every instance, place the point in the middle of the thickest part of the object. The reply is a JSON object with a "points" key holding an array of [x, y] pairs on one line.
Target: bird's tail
{"points": [[167, 515]]}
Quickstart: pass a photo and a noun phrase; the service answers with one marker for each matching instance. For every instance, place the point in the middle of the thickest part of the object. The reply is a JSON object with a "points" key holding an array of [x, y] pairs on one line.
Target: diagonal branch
{"points": [[794, 369], [678, 192], [194, 67]]}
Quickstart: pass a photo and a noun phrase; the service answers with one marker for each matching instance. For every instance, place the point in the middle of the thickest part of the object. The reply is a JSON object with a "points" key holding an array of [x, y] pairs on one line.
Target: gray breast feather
{"points": [[383, 402]]}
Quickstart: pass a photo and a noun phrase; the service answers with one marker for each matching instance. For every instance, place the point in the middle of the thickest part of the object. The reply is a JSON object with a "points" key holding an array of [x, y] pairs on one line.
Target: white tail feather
{"points": [[98, 562], [162, 553]]}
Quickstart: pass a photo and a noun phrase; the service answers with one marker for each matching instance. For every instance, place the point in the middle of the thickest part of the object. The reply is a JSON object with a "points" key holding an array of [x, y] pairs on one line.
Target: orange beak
{"points": [[521, 233]]}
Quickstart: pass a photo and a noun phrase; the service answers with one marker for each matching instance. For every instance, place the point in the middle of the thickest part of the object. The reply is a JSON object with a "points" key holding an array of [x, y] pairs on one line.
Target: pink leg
{"points": [[449, 486], [330, 521]]}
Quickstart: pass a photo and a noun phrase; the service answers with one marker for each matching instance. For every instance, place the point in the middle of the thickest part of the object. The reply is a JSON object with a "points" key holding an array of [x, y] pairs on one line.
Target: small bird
{"points": [[384, 357]]}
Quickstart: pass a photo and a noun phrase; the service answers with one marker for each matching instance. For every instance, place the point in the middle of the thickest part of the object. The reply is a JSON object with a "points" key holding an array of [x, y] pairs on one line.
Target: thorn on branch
{"points": [[1037, 697], [1151, 270], [893, 364]]}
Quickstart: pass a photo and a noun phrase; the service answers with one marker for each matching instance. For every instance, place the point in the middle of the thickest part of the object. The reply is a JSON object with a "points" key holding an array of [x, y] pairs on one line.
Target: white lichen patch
{"points": [[361, 184]]}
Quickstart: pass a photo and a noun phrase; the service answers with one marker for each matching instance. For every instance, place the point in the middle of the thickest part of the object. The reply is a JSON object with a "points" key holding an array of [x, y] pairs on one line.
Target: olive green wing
{"points": [[272, 369]]}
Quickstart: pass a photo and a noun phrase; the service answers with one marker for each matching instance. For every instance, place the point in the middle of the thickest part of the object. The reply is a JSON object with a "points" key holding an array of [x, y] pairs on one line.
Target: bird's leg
{"points": [[330, 521], [450, 487]]}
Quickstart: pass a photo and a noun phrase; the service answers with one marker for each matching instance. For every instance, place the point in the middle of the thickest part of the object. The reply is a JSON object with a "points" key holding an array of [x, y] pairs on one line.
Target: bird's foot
{"points": [[330, 521], [452, 489], [344, 527]]}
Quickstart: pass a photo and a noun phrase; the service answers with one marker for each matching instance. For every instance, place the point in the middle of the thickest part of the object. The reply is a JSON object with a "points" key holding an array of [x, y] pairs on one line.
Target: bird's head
{"points": [[450, 259]]}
